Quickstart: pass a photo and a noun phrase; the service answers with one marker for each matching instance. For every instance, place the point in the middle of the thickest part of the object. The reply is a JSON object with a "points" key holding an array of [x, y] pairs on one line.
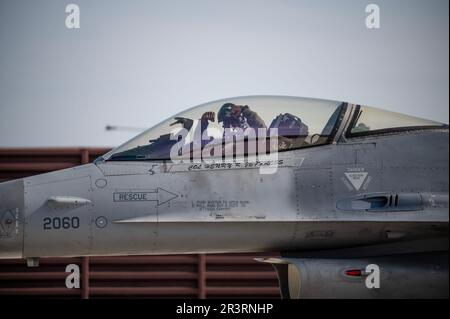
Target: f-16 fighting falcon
{"points": [[356, 202]]}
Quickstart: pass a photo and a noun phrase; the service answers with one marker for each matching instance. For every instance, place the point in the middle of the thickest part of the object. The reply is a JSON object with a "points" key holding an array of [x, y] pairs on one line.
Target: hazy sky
{"points": [[135, 63]]}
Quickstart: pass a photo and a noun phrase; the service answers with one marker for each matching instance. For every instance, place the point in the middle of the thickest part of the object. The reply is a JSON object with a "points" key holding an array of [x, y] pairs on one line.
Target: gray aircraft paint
{"points": [[313, 202]]}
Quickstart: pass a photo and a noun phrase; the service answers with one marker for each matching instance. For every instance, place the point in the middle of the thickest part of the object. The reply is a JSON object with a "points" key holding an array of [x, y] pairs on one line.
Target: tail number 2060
{"points": [[61, 222]]}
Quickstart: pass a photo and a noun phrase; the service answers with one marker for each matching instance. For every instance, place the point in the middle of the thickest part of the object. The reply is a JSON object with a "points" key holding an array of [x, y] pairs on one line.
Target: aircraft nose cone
{"points": [[11, 217]]}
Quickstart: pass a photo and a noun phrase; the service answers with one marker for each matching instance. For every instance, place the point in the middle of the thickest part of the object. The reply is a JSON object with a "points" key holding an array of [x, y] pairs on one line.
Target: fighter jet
{"points": [[353, 198]]}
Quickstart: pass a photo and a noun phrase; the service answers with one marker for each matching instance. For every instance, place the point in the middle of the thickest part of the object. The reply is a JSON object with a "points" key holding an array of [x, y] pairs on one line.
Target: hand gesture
{"points": [[210, 116], [187, 123]]}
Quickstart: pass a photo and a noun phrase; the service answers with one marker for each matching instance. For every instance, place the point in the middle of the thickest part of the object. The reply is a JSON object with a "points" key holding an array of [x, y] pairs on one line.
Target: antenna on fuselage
{"points": [[123, 128]]}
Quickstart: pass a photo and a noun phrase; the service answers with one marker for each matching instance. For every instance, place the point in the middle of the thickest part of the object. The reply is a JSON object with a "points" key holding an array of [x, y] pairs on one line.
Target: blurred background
{"points": [[135, 63]]}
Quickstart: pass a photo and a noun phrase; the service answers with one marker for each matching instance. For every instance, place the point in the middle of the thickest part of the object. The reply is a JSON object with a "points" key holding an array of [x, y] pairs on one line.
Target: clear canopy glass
{"points": [[300, 122], [372, 120]]}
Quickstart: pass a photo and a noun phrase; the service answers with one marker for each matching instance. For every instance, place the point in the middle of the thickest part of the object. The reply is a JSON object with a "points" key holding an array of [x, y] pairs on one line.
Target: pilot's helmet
{"points": [[225, 113]]}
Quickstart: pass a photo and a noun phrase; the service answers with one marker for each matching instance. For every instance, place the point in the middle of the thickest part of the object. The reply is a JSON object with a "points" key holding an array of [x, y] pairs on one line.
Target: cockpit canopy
{"points": [[371, 121], [297, 123]]}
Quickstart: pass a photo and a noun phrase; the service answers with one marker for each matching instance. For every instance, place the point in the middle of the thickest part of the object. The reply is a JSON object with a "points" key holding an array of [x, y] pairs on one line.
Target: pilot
{"points": [[234, 116], [239, 116], [231, 116]]}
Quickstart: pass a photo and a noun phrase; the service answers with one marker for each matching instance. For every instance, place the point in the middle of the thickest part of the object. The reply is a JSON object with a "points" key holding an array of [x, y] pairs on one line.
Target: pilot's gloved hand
{"points": [[208, 116], [187, 123], [245, 110], [253, 119]]}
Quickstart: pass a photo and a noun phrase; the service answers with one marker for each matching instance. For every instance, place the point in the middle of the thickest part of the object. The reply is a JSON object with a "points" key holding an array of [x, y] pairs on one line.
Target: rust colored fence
{"points": [[178, 276]]}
